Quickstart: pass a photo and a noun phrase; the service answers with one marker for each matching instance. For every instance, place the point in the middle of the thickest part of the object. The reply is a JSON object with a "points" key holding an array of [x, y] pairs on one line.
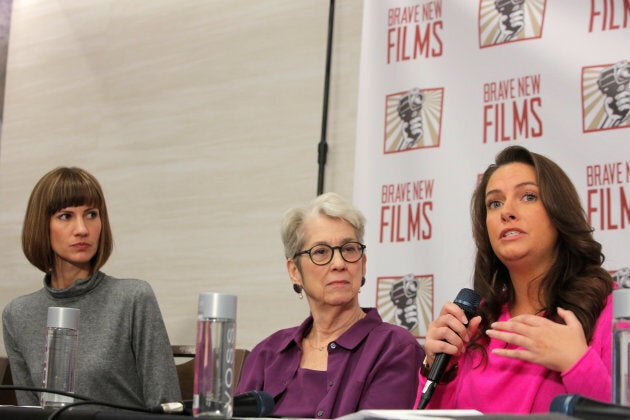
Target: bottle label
{"points": [[214, 368]]}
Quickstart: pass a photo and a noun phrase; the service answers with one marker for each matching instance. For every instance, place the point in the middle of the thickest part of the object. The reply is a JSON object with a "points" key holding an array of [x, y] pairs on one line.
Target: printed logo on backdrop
{"points": [[512, 108], [605, 96], [608, 196], [413, 119], [622, 277], [413, 32], [406, 301], [503, 21]]}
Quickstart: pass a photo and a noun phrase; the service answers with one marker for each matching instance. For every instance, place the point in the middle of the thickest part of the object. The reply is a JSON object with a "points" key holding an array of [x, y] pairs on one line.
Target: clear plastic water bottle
{"points": [[214, 357], [62, 339], [621, 346]]}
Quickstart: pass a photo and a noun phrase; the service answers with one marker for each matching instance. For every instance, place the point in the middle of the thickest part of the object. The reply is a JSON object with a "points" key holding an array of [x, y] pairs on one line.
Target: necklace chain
{"points": [[321, 348]]}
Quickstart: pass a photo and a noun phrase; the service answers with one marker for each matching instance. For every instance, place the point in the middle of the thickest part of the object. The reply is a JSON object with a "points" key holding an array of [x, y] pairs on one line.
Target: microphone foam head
{"points": [[265, 403], [564, 403], [468, 300]]}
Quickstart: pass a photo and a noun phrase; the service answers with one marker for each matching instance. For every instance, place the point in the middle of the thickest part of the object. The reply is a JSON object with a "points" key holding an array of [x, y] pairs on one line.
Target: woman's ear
{"points": [[294, 271], [363, 264]]}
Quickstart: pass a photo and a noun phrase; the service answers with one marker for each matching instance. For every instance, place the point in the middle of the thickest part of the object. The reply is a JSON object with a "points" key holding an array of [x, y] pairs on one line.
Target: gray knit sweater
{"points": [[124, 355]]}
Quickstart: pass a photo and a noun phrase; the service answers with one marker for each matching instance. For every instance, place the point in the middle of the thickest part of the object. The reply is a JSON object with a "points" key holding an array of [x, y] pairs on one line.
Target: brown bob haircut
{"points": [[60, 188]]}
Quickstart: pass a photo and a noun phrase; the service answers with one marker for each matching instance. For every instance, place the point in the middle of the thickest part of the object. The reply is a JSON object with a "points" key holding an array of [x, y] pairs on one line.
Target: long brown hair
{"points": [[576, 281]]}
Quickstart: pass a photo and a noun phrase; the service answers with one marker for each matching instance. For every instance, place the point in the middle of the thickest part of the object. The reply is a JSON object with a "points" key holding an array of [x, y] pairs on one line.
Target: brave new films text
{"points": [[414, 31], [608, 195], [609, 15], [511, 109], [406, 209]]}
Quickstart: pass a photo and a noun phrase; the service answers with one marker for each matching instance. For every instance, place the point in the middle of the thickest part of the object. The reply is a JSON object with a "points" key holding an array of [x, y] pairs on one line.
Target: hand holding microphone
{"points": [[448, 336]]}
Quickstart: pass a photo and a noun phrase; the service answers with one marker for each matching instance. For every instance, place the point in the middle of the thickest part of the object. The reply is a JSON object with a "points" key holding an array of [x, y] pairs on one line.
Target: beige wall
{"points": [[201, 120]]}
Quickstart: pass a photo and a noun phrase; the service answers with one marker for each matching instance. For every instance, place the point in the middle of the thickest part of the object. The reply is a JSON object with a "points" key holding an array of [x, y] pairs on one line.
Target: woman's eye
{"points": [[320, 251], [493, 204], [350, 248], [529, 197]]}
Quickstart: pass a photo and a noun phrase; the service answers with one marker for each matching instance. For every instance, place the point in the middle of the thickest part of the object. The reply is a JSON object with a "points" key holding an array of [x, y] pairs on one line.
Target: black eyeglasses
{"points": [[322, 254]]}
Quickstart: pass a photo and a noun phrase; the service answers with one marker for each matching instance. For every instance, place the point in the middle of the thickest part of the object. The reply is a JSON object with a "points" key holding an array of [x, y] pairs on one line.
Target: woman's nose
{"points": [[337, 259], [80, 227], [508, 212]]}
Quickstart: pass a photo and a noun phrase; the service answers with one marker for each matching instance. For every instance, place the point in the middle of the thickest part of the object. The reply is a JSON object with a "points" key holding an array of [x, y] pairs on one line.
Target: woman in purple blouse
{"points": [[342, 358]]}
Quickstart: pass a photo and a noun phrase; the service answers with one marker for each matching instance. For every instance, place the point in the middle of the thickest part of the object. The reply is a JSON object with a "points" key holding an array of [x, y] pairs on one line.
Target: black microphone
{"points": [[584, 408], [253, 404], [468, 300]]}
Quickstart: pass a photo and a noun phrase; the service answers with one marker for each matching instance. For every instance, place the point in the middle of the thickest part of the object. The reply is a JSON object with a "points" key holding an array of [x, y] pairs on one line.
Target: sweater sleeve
{"points": [[596, 363], [154, 357], [592, 366], [19, 367]]}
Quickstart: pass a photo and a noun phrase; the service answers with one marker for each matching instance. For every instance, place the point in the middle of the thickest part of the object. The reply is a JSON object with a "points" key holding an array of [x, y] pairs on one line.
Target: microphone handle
{"points": [[468, 301], [438, 367]]}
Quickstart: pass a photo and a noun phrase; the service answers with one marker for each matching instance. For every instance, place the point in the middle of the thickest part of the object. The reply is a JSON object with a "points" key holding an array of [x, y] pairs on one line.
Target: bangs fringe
{"points": [[72, 190]]}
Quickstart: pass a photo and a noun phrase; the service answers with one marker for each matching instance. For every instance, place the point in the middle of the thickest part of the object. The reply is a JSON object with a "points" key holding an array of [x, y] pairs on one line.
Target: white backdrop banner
{"points": [[444, 86]]}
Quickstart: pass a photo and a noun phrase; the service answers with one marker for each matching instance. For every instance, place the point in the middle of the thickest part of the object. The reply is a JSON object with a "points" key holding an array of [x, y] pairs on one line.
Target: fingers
{"points": [[568, 317], [520, 323], [554, 345], [519, 330], [473, 326], [454, 319], [518, 333], [455, 311], [513, 334], [448, 333]]}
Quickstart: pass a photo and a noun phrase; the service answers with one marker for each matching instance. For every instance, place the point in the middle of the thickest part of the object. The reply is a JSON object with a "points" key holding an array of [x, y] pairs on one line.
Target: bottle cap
{"points": [[63, 318], [217, 305], [621, 303]]}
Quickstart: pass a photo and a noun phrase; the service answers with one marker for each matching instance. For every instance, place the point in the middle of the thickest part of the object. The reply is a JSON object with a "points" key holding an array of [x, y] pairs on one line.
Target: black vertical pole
{"points": [[322, 147]]}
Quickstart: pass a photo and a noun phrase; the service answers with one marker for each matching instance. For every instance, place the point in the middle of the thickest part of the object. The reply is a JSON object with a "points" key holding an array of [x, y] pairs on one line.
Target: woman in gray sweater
{"points": [[124, 354]]}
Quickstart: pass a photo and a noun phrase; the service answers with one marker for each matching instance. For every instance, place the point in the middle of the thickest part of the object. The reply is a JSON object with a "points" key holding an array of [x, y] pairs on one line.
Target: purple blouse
{"points": [[373, 365]]}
